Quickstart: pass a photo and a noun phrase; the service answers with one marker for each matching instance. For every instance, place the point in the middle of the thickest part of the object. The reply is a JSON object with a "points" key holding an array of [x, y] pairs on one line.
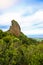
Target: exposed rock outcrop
{"points": [[15, 28]]}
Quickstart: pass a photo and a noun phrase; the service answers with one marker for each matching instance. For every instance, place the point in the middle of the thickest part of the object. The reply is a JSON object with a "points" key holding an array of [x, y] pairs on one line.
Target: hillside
{"points": [[19, 49]]}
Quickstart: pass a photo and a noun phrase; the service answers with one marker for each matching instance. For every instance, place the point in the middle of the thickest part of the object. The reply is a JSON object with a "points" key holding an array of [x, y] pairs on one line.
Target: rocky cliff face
{"points": [[15, 28]]}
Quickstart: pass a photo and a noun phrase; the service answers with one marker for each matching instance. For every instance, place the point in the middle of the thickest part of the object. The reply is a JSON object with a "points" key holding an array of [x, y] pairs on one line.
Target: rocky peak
{"points": [[15, 28]]}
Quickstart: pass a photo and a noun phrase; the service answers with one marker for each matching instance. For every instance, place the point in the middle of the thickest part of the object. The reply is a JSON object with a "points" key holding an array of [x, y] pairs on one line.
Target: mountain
{"points": [[18, 49], [35, 36]]}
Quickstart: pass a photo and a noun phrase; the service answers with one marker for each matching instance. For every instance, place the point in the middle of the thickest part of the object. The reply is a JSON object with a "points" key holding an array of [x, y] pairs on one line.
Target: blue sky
{"points": [[28, 13]]}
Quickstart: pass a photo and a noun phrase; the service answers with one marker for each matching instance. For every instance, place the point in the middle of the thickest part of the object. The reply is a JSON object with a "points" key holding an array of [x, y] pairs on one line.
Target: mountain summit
{"points": [[15, 28]]}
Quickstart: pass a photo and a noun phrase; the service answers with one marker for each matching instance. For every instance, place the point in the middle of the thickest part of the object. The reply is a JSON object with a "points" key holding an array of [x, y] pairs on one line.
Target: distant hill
{"points": [[35, 36]]}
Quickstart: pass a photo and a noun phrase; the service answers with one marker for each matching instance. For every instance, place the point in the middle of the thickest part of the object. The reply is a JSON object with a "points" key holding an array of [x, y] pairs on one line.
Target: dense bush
{"points": [[20, 50], [1, 32]]}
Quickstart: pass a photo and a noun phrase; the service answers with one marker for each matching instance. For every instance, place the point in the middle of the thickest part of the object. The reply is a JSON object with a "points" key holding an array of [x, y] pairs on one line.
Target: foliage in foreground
{"points": [[20, 51]]}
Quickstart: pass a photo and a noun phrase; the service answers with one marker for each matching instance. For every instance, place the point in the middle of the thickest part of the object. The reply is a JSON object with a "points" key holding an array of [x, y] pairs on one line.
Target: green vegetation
{"points": [[20, 50]]}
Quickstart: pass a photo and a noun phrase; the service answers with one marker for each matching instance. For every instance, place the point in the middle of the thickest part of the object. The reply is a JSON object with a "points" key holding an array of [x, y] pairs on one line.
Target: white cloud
{"points": [[29, 21], [25, 22], [33, 32], [7, 3], [5, 19]]}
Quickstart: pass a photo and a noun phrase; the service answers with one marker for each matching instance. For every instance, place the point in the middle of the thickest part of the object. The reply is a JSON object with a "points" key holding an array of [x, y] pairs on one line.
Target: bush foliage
{"points": [[20, 50]]}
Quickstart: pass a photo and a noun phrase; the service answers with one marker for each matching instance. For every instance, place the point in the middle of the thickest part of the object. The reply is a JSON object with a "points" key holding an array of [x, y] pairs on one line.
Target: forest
{"points": [[20, 50]]}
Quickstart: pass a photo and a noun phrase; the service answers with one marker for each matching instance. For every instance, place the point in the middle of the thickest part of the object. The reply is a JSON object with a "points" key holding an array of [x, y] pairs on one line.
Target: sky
{"points": [[28, 13]]}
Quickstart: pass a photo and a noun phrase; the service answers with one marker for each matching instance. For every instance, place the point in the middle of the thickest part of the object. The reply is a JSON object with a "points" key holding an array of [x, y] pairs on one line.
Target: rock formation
{"points": [[15, 28]]}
